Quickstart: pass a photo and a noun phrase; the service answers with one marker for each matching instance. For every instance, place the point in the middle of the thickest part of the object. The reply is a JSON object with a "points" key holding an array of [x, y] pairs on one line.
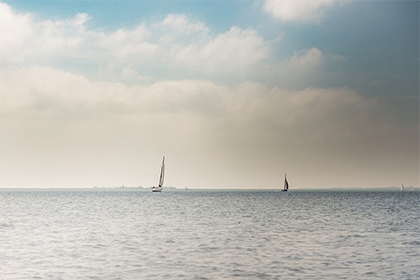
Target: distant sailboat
{"points": [[286, 184], [402, 187], [162, 175], [411, 188]]}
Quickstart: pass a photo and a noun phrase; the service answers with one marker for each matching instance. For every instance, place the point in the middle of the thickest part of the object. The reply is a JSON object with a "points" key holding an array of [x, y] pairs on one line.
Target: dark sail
{"points": [[286, 184]]}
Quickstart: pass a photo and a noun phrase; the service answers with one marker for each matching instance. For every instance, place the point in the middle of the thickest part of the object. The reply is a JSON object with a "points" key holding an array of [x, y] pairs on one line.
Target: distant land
{"points": [[174, 189]]}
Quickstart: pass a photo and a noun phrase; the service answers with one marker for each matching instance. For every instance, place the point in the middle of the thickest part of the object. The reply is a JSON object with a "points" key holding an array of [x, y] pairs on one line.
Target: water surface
{"points": [[209, 235]]}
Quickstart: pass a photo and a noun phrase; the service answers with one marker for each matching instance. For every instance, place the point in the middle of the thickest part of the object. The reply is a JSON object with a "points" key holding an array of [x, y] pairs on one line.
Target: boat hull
{"points": [[157, 189]]}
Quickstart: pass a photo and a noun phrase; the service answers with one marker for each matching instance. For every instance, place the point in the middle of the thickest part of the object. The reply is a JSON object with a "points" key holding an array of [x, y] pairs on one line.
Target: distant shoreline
{"points": [[173, 189]]}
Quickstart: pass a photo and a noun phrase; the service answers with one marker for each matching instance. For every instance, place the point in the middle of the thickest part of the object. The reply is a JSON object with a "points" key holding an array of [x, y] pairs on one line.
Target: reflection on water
{"points": [[209, 235]]}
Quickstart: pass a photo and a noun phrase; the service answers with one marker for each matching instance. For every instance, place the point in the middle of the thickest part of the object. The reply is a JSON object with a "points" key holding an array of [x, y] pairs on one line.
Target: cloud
{"points": [[26, 40], [174, 45], [46, 90], [181, 24], [306, 59], [15, 29], [235, 50], [157, 88], [228, 131], [298, 11], [25, 89]]}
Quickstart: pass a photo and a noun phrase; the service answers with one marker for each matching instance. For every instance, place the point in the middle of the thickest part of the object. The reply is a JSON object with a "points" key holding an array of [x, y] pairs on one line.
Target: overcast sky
{"points": [[233, 93]]}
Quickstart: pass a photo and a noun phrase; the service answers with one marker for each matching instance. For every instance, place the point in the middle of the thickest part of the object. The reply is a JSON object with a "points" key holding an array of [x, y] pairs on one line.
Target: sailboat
{"points": [[286, 184], [402, 187], [162, 175]]}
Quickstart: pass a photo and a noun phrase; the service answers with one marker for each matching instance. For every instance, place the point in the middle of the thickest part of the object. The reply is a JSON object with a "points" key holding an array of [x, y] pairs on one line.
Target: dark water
{"points": [[209, 235]]}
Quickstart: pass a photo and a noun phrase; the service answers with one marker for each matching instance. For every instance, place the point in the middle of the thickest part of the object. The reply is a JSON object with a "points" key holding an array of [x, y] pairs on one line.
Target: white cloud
{"points": [[181, 24], [236, 133], [60, 34], [235, 50], [24, 90], [14, 30], [246, 128], [298, 10], [25, 39], [174, 45], [43, 89], [306, 59]]}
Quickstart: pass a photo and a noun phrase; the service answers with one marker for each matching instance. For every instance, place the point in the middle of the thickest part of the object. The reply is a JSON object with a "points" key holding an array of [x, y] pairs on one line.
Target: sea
{"points": [[209, 234]]}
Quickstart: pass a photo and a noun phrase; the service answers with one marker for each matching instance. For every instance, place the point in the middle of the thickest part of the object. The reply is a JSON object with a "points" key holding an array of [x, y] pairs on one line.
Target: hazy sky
{"points": [[233, 93]]}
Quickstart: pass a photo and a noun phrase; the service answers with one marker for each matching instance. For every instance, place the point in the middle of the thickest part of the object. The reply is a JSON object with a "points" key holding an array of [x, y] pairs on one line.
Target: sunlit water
{"points": [[209, 235]]}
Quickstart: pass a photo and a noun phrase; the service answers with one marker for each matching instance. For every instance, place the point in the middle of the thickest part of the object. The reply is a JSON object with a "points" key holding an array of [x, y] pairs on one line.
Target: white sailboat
{"points": [[402, 187], [162, 175], [286, 184]]}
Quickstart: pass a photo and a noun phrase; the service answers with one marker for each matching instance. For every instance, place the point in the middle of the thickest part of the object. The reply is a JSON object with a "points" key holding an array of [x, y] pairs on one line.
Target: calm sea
{"points": [[209, 235]]}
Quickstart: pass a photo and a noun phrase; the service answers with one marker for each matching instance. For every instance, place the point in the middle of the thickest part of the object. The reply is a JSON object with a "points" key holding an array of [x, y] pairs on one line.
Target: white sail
{"points": [[161, 178], [162, 173]]}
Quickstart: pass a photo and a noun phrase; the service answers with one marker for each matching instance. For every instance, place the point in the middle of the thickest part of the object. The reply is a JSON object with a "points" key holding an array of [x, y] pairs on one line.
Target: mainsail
{"points": [[162, 173], [286, 184]]}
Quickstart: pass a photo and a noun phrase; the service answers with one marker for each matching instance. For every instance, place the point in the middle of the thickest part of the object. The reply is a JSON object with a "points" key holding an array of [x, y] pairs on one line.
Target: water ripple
{"points": [[209, 235]]}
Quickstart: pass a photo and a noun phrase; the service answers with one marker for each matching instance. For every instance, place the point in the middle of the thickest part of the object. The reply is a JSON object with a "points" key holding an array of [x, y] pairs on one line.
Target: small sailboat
{"points": [[286, 184], [411, 188], [162, 175], [402, 187]]}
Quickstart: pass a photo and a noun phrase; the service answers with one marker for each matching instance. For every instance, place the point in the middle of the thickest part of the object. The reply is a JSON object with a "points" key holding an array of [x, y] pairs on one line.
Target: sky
{"points": [[233, 93]]}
